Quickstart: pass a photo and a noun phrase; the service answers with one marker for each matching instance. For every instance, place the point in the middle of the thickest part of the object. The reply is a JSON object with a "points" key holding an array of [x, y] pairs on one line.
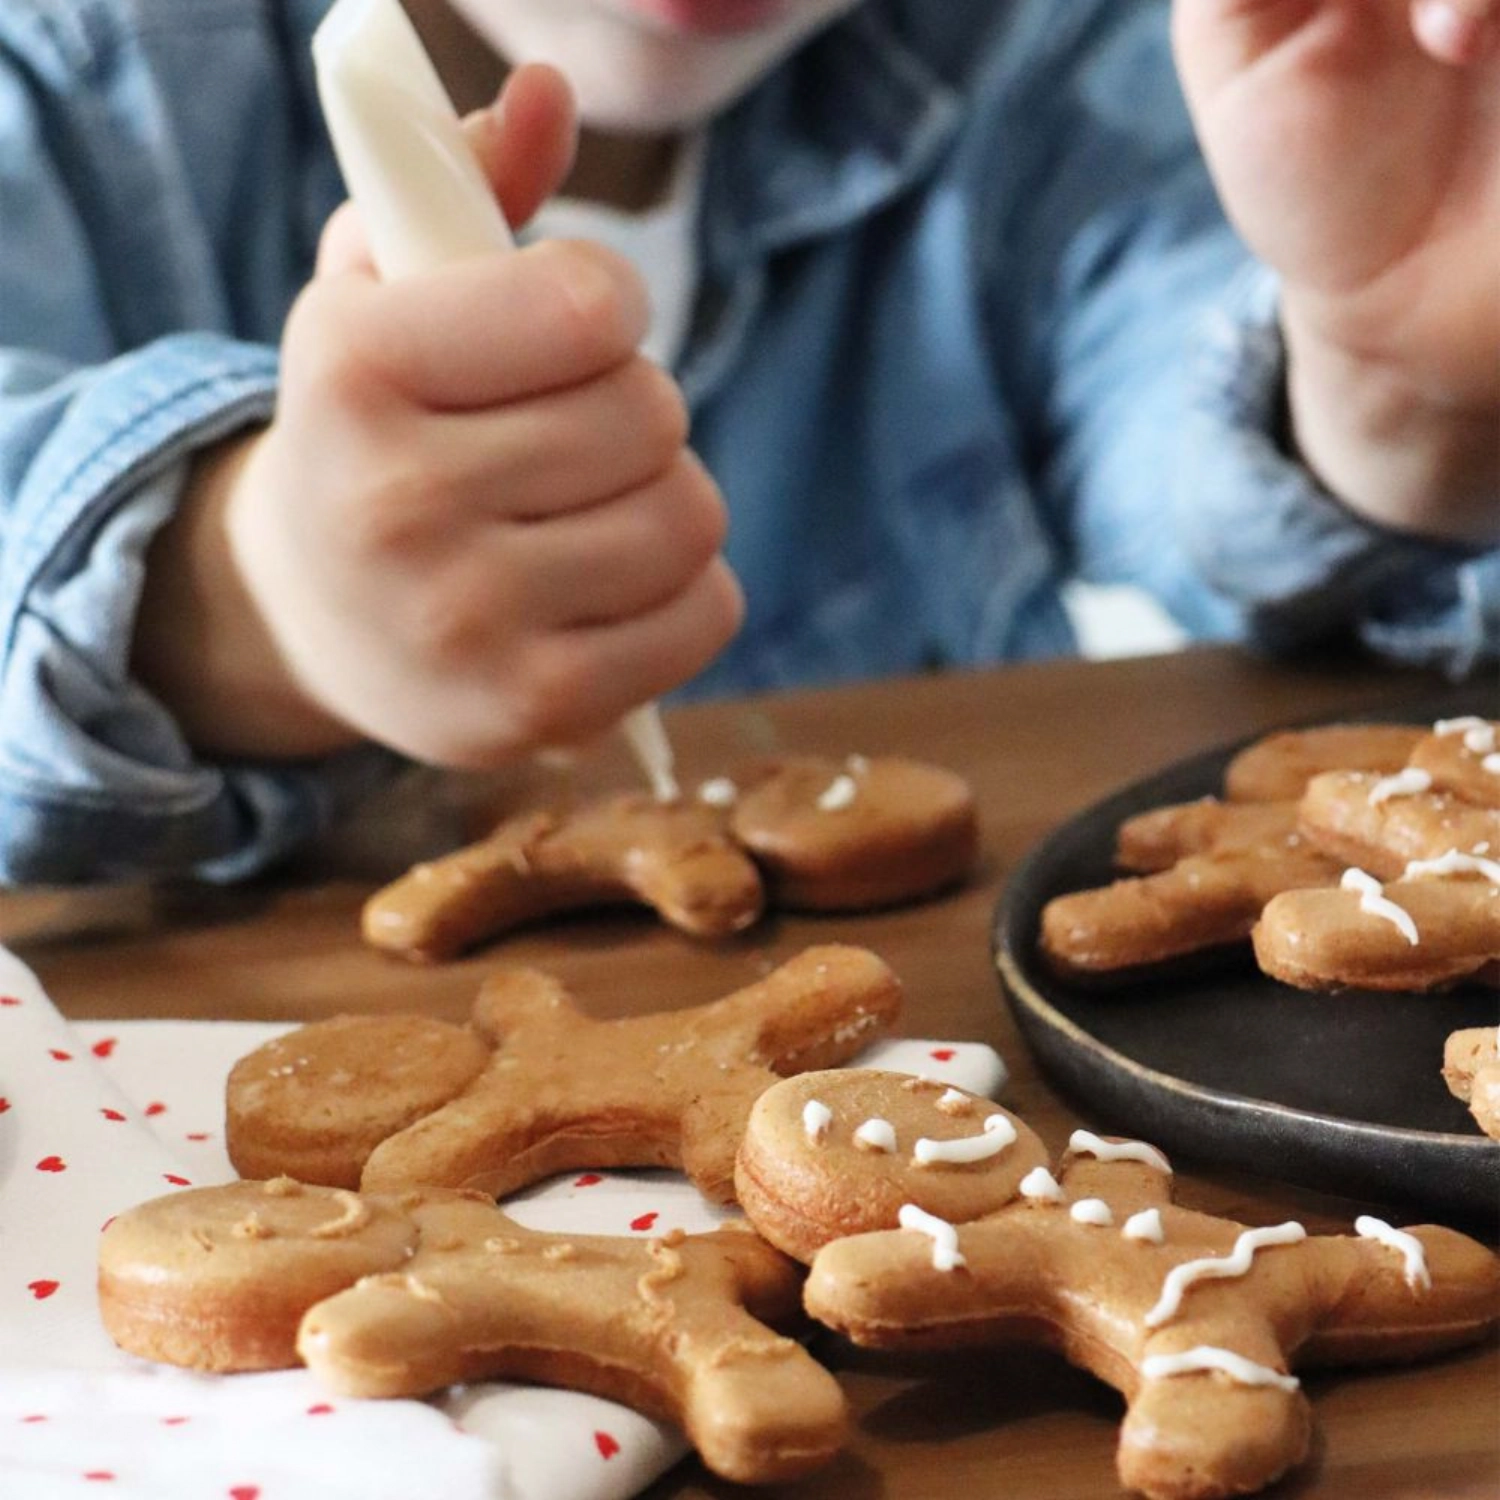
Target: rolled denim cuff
{"points": [[1266, 534]]}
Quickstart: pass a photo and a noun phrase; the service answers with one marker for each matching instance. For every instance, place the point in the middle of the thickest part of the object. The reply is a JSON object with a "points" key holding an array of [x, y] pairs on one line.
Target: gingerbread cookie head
{"points": [[401, 1296], [854, 835], [843, 1151], [219, 1278], [313, 1104]]}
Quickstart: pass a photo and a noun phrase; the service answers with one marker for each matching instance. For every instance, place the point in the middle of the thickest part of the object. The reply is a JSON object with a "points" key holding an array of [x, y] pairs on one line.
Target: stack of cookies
{"points": [[1350, 857]]}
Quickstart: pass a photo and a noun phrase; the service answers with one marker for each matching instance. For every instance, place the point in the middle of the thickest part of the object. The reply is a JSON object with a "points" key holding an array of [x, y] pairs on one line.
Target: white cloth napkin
{"points": [[97, 1117]]}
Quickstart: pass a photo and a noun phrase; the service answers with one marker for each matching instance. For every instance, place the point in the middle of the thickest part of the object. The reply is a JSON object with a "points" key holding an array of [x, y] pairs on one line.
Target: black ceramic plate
{"points": [[1337, 1092]]}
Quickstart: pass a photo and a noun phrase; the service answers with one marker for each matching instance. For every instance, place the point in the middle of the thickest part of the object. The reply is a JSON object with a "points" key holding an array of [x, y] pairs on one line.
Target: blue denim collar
{"points": [[852, 123]]}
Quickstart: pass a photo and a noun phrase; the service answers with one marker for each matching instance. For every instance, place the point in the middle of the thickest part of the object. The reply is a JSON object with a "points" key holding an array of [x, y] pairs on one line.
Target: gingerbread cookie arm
{"points": [[1388, 1294], [1416, 934], [1202, 902], [816, 1011], [1156, 839], [1280, 765], [443, 906]]}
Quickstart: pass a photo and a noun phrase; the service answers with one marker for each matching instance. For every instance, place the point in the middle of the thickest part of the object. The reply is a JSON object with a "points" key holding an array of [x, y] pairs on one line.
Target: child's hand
{"points": [[473, 527], [1357, 147]]}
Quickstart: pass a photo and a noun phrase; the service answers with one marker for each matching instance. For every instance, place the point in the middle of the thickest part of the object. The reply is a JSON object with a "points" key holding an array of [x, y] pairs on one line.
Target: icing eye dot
{"points": [[816, 1118]]}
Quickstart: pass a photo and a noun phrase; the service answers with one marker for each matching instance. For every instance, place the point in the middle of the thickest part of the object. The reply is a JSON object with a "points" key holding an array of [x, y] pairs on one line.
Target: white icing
{"points": [[1407, 783], [1462, 725], [1374, 902], [816, 1118], [1209, 1357], [1145, 1226], [1041, 1186], [1092, 1211], [1479, 734], [857, 765], [1086, 1143], [1408, 1246], [997, 1135], [1214, 1267], [1454, 862], [839, 793], [945, 1252], [720, 791], [877, 1134], [1491, 764], [954, 1099]]}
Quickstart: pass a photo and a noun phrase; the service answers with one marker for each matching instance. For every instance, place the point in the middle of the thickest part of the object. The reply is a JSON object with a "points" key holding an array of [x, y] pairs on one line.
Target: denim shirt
{"points": [[970, 323]]}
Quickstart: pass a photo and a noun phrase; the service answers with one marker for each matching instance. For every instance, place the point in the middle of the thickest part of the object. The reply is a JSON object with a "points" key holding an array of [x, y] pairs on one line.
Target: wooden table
{"points": [[1038, 743]]}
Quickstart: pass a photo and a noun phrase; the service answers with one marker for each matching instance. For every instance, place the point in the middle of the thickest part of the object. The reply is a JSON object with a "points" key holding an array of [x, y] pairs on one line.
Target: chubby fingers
{"points": [[526, 140], [1460, 32], [524, 143], [486, 330]]}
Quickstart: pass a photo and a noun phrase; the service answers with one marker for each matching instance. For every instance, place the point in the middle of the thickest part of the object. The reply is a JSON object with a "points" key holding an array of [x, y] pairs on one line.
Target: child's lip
{"points": [[709, 16]]}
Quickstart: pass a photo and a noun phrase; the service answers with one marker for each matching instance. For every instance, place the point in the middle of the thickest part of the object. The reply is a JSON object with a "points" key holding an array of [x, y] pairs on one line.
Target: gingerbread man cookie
{"points": [[1209, 897], [1195, 1319], [824, 835], [1471, 1069], [562, 1091], [403, 1295]]}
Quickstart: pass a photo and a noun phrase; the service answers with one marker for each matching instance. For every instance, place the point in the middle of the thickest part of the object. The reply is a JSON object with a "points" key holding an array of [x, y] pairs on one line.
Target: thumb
{"points": [[525, 141]]}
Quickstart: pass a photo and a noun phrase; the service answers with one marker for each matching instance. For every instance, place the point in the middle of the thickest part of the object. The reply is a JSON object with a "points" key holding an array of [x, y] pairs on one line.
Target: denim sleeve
{"points": [[1299, 562], [1156, 374], [96, 781]]}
